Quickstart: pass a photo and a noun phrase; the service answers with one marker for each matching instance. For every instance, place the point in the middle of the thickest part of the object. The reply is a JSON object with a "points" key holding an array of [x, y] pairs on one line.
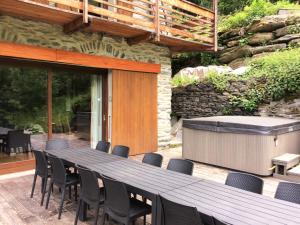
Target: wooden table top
{"points": [[235, 206]]}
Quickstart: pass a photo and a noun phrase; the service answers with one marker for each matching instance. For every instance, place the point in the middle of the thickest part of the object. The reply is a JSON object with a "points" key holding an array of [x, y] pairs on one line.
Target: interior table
{"points": [[235, 206]]}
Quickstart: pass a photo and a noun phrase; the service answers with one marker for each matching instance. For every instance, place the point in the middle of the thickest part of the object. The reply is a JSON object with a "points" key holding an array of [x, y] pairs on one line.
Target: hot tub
{"points": [[244, 143]]}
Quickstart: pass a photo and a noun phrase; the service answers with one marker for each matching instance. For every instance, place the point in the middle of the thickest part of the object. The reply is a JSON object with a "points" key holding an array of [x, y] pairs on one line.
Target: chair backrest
{"points": [[116, 197], [121, 150], [17, 139], [41, 164], [89, 187], [57, 143], [103, 146], [177, 214], [288, 191], [181, 166], [58, 170], [245, 181], [153, 159]]}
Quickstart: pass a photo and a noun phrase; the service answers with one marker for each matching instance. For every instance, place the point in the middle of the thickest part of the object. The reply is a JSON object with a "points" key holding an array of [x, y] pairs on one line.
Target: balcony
{"points": [[178, 24]]}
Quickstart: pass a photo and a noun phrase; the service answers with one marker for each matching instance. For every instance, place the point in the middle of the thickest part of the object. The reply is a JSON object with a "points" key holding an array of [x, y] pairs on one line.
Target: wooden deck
{"points": [[177, 24], [17, 208]]}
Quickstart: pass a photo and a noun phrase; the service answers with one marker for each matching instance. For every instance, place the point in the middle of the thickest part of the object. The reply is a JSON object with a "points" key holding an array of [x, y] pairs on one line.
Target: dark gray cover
{"points": [[243, 124]]}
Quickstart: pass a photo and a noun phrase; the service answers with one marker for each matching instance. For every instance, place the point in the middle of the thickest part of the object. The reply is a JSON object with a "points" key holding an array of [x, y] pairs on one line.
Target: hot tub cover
{"points": [[243, 124]]}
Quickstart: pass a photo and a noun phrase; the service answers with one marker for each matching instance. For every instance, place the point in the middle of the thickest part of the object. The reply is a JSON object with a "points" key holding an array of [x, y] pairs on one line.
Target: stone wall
{"points": [[262, 37], [202, 100], [52, 36]]}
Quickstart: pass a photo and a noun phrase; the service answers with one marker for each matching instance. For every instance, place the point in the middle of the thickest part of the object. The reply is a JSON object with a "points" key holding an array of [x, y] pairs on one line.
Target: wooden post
{"points": [[85, 11], [215, 8], [49, 103], [156, 21]]}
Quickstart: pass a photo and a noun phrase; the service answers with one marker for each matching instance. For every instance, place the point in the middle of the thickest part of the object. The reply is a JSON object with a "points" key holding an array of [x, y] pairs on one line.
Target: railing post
{"points": [[215, 8], [156, 21], [85, 11]]}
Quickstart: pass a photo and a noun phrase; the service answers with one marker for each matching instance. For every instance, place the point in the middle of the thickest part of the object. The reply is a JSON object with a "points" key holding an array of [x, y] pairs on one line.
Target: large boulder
{"points": [[200, 72], [235, 53], [267, 48], [292, 29], [268, 24], [232, 33], [295, 43], [287, 38], [237, 63], [260, 38]]}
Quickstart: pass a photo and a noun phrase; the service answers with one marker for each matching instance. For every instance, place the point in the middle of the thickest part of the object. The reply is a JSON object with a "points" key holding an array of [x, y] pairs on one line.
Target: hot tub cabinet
{"points": [[244, 143]]}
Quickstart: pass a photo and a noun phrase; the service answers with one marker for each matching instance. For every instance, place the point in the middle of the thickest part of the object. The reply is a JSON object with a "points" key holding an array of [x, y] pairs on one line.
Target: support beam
{"points": [[141, 38], [76, 25], [156, 20], [49, 103], [215, 7]]}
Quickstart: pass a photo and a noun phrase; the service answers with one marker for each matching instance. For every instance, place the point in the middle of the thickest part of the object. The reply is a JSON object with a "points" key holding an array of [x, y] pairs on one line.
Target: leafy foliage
{"points": [[23, 99], [192, 60], [272, 77], [179, 81], [256, 10]]}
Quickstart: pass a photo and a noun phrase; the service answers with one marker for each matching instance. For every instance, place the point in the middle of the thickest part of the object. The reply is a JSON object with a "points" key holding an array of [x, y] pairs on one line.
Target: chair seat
{"points": [[138, 208], [72, 178]]}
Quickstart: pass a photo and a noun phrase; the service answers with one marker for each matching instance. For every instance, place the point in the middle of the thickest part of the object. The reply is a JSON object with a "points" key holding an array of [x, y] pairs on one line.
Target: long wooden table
{"points": [[227, 204], [141, 179]]}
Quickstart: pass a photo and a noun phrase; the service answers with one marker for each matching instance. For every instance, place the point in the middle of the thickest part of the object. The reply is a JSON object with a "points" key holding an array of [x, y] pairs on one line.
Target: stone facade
{"points": [[51, 36]]}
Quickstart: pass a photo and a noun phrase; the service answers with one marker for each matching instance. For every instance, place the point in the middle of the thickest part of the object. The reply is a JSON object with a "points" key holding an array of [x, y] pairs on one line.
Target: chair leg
{"points": [[49, 193], [70, 192], [33, 185], [75, 190], [103, 219], [44, 191], [42, 186], [77, 212], [97, 213], [145, 219], [61, 202]]}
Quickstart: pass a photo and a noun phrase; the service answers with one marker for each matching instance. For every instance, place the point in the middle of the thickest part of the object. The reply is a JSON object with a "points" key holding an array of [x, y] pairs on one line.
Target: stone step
{"points": [[287, 160], [294, 171]]}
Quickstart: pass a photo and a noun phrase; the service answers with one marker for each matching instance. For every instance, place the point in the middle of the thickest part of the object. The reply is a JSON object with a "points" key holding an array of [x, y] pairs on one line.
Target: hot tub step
{"points": [[285, 162], [294, 171]]}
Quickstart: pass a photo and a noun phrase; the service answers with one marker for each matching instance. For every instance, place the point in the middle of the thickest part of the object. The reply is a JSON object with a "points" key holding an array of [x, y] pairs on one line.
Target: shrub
{"points": [[256, 10], [179, 80]]}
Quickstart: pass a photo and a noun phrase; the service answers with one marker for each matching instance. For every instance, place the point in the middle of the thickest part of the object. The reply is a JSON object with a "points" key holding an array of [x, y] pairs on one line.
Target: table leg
{"points": [[83, 211], [158, 212]]}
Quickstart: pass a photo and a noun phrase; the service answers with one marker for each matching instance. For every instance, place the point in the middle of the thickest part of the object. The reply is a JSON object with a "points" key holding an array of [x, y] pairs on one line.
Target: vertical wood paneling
{"points": [[134, 111]]}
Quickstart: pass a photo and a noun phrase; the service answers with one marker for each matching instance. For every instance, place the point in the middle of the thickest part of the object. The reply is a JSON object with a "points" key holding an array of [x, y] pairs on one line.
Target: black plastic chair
{"points": [[16, 140], [177, 214], [62, 180], [42, 170], [153, 159], [245, 182], [121, 150], [119, 206], [181, 165], [90, 192], [103, 146], [57, 143], [288, 192]]}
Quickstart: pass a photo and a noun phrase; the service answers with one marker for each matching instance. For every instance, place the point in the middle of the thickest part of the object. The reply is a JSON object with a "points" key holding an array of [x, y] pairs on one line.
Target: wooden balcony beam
{"points": [[141, 38], [76, 25]]}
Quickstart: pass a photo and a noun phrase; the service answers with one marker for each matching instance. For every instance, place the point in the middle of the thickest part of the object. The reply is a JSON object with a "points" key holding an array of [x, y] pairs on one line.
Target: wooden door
{"points": [[134, 111]]}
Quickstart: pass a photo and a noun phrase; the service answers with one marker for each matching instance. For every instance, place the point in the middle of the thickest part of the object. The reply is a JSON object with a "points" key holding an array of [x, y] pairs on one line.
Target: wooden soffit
{"points": [[28, 52]]}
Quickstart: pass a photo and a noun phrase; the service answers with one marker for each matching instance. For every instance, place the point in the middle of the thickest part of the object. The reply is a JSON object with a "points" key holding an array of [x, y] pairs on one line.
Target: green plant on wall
{"points": [[256, 10]]}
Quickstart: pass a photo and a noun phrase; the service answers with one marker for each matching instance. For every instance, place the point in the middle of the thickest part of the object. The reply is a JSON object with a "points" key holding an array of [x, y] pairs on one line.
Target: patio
{"points": [[20, 209]]}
